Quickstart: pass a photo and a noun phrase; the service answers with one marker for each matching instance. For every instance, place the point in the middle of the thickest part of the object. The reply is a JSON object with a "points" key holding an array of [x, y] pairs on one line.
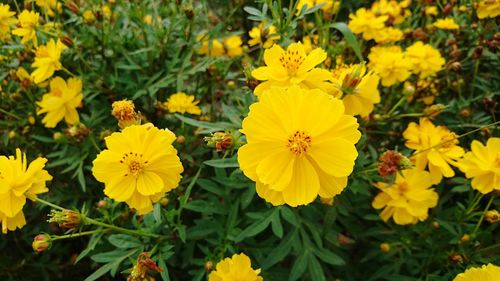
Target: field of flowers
{"points": [[234, 140]]}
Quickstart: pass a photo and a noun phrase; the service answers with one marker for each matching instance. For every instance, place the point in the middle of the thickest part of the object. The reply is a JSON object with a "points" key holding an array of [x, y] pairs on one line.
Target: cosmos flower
{"points": [[238, 267]]}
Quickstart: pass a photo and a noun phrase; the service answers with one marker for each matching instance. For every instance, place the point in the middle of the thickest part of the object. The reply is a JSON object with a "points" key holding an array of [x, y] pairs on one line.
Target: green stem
{"points": [[400, 101], [10, 114], [119, 229], [482, 216], [68, 72], [48, 203], [79, 234]]}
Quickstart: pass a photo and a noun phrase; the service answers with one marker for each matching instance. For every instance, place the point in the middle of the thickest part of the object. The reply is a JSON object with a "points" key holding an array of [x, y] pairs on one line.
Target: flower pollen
{"points": [[299, 142], [134, 162], [291, 60]]}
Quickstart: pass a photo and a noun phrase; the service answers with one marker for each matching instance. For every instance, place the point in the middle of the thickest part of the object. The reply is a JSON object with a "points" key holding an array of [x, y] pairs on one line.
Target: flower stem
{"points": [[48, 203], [79, 234], [117, 228], [482, 216]]}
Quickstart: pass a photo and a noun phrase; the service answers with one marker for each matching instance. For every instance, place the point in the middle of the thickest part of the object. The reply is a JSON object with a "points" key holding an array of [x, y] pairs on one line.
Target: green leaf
{"points": [[328, 257], [124, 241], [350, 38], [208, 126], [91, 246], [255, 228], [109, 266], [315, 270], [280, 252], [299, 266], [223, 163], [288, 215], [276, 224]]}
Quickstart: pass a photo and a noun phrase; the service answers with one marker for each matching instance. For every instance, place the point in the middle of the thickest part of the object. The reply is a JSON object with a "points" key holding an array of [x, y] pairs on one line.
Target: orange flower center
{"points": [[134, 163], [449, 140], [291, 60], [497, 161], [299, 142], [56, 92], [403, 187]]}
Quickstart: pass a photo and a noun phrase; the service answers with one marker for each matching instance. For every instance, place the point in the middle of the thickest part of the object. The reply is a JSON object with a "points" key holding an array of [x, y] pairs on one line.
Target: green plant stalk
{"points": [[79, 234], [482, 216]]}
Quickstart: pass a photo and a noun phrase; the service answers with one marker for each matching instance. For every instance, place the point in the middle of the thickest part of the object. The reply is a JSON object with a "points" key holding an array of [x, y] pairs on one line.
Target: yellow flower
{"points": [[6, 21], [358, 89], [47, 60], [293, 67], [425, 60], [49, 6], [388, 35], [487, 272], [182, 103], [330, 6], [408, 199], [300, 144], [431, 11], [436, 147], [139, 166], [447, 24], [61, 102], [264, 35], [211, 48], [391, 8], [106, 12], [307, 3], [88, 16], [482, 164], [488, 8], [366, 22], [390, 64], [28, 22], [124, 112], [233, 46], [238, 267], [19, 181]]}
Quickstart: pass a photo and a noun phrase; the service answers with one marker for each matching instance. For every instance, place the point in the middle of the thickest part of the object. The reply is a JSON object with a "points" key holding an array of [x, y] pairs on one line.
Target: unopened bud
{"points": [[434, 110], [101, 204], [66, 40], [436, 225], [57, 136], [408, 89], [72, 6], [67, 219], [220, 141], [456, 258], [31, 120], [181, 139], [41, 242], [164, 201], [231, 85], [492, 216], [12, 134], [209, 266], [385, 247], [465, 238], [344, 239]]}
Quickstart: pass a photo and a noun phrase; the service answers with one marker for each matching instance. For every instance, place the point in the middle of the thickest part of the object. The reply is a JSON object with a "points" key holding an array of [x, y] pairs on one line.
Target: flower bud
{"points": [[101, 204], [434, 110], [221, 141], [66, 219], [385, 247], [41, 242], [12, 134], [456, 258], [164, 201], [72, 6], [465, 238], [181, 139], [492, 216], [124, 112], [209, 266]]}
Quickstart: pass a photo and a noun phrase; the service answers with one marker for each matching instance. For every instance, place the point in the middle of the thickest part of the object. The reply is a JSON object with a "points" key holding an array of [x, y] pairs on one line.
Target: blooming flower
{"points": [[19, 180], [487, 272], [488, 8], [357, 88], [367, 23], [388, 35], [390, 64], [6, 20], [182, 103], [238, 267], [232, 45], [293, 67], [395, 10], [28, 22], [61, 102], [408, 199], [447, 23], [431, 11], [47, 60], [49, 6], [300, 144], [482, 164], [264, 35], [139, 166], [436, 147], [211, 48], [425, 59]]}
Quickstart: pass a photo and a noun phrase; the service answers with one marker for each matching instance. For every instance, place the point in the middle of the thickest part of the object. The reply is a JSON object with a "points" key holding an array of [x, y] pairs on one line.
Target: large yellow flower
{"points": [[47, 60], [482, 164], [182, 103], [488, 8], [358, 89], [293, 67], [300, 144], [49, 6], [6, 20], [436, 148], [367, 23], [28, 22], [139, 166], [487, 272], [238, 267], [264, 35], [425, 59], [19, 180], [390, 64], [61, 102], [408, 199]]}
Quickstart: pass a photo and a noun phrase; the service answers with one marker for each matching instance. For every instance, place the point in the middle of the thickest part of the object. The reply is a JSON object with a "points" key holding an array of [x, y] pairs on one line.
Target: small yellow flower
{"points": [[232, 45], [139, 166], [482, 164], [49, 6], [182, 103], [7, 20], [293, 67], [431, 10], [124, 112], [367, 23], [435, 147], [425, 59], [492, 216], [88, 16], [264, 35], [307, 3], [488, 8], [61, 102], [395, 10], [300, 144], [390, 64], [47, 60], [357, 88], [106, 12], [18, 181], [487, 272], [388, 35], [28, 22], [238, 267], [447, 24], [209, 47], [408, 199]]}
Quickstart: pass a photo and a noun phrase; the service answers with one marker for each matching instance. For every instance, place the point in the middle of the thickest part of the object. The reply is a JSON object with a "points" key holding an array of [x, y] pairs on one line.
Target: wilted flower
{"points": [[124, 112], [140, 271], [67, 219]]}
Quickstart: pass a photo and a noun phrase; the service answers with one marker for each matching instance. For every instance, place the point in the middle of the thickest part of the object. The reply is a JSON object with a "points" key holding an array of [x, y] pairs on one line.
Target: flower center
{"points": [[299, 142], [497, 162], [403, 187], [291, 60], [134, 163], [449, 140], [56, 92]]}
